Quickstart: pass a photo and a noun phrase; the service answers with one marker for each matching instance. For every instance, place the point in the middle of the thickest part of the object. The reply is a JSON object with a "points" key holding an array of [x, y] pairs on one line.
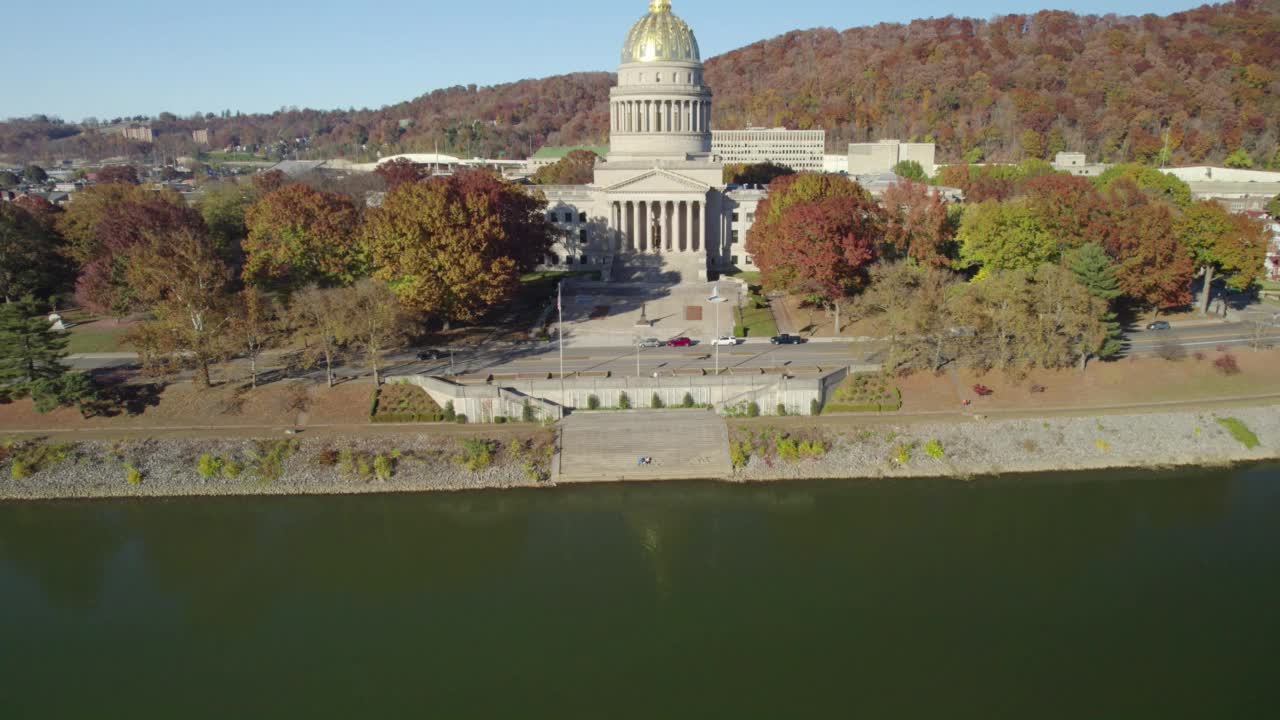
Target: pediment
{"points": [[658, 180]]}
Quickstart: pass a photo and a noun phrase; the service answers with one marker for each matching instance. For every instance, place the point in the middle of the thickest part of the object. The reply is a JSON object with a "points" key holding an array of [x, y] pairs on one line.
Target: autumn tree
{"points": [[910, 305], [103, 285], [126, 174], [298, 235], [453, 247], [30, 263], [754, 173], [320, 314], [81, 224], [1004, 236], [1273, 207], [375, 322], [269, 181], [35, 174], [401, 170], [816, 235], [178, 275], [1153, 267], [576, 168], [1233, 247], [919, 224], [1068, 207], [223, 206], [1239, 159], [9, 180], [257, 322], [1157, 185]]}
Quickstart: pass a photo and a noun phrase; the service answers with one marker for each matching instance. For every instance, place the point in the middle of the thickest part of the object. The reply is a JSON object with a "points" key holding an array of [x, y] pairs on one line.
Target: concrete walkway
{"points": [[605, 446]]}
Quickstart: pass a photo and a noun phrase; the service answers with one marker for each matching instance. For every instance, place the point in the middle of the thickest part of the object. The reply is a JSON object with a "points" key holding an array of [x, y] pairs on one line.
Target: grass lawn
{"points": [[750, 277], [755, 321], [96, 341], [217, 157]]}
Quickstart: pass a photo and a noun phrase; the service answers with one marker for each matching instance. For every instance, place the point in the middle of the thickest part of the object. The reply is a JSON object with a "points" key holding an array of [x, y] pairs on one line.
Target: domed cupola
{"points": [[660, 36]]}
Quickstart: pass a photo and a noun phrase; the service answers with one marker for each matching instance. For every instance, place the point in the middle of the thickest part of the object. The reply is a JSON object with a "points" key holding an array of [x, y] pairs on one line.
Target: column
{"points": [[667, 212], [642, 225], [684, 226], [630, 212], [697, 226]]}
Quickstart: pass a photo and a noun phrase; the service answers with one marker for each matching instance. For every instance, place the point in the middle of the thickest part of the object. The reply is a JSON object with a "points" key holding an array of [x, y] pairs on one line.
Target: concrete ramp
{"points": [[604, 446]]}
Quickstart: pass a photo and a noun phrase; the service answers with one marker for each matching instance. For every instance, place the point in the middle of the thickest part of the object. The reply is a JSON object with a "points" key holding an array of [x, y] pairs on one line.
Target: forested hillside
{"points": [[1012, 87]]}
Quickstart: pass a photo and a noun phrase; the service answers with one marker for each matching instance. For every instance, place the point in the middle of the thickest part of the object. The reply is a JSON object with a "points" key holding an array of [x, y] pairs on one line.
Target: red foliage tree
{"points": [[815, 234], [1153, 266], [1068, 207], [918, 224], [118, 174], [401, 170], [269, 181]]}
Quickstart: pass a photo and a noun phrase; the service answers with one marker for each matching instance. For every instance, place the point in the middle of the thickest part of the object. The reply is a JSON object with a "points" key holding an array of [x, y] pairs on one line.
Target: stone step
{"points": [[605, 446]]}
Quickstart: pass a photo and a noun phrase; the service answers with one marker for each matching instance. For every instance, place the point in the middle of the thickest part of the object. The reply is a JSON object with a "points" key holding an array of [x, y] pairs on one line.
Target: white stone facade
{"points": [[881, 157]]}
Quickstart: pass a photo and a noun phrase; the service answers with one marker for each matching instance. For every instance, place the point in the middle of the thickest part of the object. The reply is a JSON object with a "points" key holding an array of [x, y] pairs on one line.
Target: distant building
{"points": [[800, 150], [835, 163], [200, 137], [882, 156], [139, 133], [1077, 164]]}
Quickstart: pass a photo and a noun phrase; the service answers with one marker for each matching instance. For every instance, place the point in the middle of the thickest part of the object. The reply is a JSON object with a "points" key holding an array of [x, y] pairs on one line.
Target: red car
{"points": [[679, 342]]}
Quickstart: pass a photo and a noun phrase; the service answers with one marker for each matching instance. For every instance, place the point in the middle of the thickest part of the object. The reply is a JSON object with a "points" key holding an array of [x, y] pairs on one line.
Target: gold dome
{"points": [[660, 36]]}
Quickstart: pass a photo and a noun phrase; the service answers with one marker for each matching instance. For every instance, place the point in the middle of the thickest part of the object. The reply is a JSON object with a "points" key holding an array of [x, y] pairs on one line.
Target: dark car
{"points": [[1158, 325], [785, 339], [679, 342], [428, 355]]}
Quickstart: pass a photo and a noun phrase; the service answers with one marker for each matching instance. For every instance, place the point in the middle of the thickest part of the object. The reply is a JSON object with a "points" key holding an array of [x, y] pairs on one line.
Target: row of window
{"points": [[567, 216]]}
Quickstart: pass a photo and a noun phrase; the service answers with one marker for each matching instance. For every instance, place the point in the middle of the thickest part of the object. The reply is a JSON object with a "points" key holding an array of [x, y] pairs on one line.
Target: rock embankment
{"points": [[993, 447], [180, 467]]}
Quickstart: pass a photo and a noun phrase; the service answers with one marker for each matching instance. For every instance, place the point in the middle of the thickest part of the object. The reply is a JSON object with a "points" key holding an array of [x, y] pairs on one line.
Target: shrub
{"points": [[593, 402], [781, 410], [268, 457], [787, 449], [656, 401], [624, 402], [933, 449], [1102, 445], [687, 401], [862, 392], [328, 457], [19, 469], [450, 414], [460, 418], [739, 453], [209, 466], [500, 419], [477, 454], [1227, 364], [815, 407], [527, 413], [232, 470], [1239, 431], [902, 453], [346, 461], [753, 410], [382, 467], [132, 475], [812, 449]]}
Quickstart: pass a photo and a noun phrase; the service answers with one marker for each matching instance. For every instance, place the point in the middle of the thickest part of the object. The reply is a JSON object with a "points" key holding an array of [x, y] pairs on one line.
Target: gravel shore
{"points": [[169, 468], [993, 447]]}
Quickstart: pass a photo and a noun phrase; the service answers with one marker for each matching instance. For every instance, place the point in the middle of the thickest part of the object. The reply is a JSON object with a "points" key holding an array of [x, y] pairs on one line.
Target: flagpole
{"points": [[560, 336]]}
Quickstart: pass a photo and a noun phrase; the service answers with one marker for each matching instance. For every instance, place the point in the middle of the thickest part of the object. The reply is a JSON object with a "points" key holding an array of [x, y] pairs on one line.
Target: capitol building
{"points": [[658, 202]]}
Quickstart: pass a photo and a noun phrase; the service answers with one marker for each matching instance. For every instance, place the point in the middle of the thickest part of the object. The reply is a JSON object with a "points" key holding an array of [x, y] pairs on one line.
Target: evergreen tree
{"points": [[29, 349], [1093, 268]]}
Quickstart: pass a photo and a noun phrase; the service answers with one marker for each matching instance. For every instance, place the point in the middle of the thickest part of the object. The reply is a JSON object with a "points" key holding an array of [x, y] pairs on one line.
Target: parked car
{"points": [[428, 355], [785, 339], [1158, 325], [725, 340], [650, 343], [681, 341]]}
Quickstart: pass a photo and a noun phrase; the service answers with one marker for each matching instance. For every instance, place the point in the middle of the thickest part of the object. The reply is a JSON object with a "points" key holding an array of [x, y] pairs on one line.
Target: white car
{"points": [[725, 340]]}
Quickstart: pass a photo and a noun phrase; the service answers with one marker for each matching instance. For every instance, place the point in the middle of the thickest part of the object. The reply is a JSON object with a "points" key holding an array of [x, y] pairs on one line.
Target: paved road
{"points": [[544, 357]]}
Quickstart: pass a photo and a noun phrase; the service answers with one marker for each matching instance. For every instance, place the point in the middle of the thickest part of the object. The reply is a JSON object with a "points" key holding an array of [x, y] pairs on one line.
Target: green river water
{"points": [[1118, 595]]}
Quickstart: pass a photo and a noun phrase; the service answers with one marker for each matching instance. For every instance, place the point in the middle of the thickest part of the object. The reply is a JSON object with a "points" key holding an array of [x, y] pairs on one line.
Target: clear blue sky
{"points": [[79, 58]]}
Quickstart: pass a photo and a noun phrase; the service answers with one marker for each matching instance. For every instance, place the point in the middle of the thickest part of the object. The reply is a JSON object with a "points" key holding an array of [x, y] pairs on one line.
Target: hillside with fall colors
{"points": [[1206, 81]]}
